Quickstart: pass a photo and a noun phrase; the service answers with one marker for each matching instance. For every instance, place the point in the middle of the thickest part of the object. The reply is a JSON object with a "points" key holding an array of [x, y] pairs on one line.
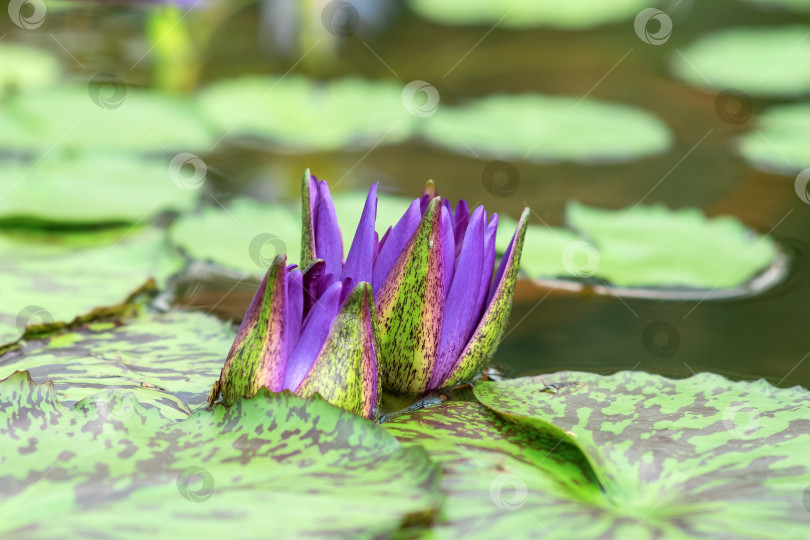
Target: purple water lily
{"points": [[439, 310], [305, 332]]}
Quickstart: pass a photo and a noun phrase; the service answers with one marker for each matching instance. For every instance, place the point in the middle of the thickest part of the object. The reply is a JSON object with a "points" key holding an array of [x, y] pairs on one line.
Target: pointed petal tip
{"points": [[430, 189]]}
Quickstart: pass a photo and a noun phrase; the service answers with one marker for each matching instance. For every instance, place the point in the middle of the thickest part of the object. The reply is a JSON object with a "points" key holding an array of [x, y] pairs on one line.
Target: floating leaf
{"points": [[113, 469], [24, 68], [172, 357], [780, 142], [301, 114], [648, 246], [90, 188], [245, 237], [57, 278], [787, 5], [697, 457], [548, 129], [759, 61], [652, 245], [103, 117], [501, 480], [570, 14]]}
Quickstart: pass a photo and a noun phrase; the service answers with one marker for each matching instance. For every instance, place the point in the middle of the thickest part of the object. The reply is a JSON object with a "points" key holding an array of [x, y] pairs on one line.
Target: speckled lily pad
{"points": [[698, 457], [110, 468], [174, 357], [58, 278]]}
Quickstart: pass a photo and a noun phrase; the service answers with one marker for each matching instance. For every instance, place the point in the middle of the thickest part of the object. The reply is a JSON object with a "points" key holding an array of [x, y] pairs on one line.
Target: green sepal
{"points": [[307, 230], [345, 371], [409, 307], [257, 356]]}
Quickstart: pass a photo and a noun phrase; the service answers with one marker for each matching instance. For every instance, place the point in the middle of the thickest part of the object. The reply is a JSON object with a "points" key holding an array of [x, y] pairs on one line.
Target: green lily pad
{"points": [[548, 129], [771, 62], [780, 142], [245, 237], [625, 248], [653, 245], [24, 68], [787, 5], [113, 469], [173, 358], [699, 457], [124, 118], [500, 480], [90, 188], [58, 278], [301, 114], [570, 14]]}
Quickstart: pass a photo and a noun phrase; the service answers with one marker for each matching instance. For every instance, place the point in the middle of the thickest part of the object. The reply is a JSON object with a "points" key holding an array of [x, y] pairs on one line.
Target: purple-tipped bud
{"points": [[301, 333]]}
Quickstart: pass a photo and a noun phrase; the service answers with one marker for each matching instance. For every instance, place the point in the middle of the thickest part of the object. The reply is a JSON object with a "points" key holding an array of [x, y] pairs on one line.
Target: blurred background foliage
{"points": [[658, 150]]}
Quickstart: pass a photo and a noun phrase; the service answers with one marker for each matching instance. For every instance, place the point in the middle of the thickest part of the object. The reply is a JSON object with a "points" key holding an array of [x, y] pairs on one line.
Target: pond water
{"points": [[761, 336]]}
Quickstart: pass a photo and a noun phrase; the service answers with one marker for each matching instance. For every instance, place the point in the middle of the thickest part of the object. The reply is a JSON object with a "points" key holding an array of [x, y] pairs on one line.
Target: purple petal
{"points": [[328, 240], [448, 246], [360, 262], [458, 317], [460, 219], [311, 278], [489, 331], [394, 244], [313, 335], [486, 274], [295, 308]]}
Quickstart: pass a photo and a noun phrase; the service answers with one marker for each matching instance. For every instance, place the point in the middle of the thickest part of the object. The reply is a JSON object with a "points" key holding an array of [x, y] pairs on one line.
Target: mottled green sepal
{"points": [[487, 336], [409, 306], [257, 356], [345, 371], [307, 224]]}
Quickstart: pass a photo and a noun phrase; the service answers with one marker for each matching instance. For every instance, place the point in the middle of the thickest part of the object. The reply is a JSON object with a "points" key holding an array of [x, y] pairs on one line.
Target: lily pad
{"points": [[301, 114], [772, 61], [24, 68], [787, 5], [653, 245], [625, 248], [58, 278], [113, 469], [170, 359], [548, 129], [501, 480], [570, 14], [780, 142], [697, 457], [102, 117], [246, 237], [90, 188]]}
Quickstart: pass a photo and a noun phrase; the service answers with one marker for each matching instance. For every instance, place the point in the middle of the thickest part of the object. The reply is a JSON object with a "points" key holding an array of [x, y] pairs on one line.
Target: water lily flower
{"points": [[440, 311], [308, 333]]}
